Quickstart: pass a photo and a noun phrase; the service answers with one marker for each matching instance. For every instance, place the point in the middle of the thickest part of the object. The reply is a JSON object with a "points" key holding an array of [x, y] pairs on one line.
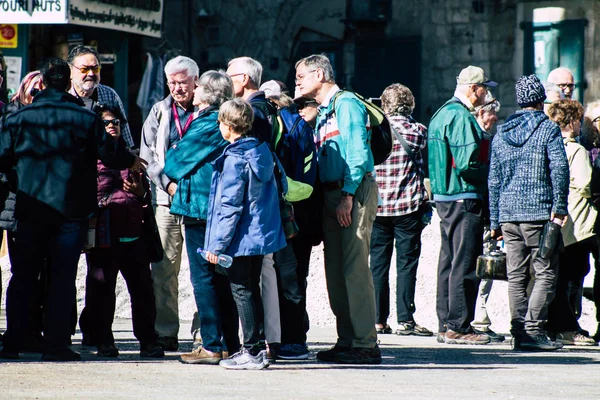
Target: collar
{"points": [[334, 89], [463, 99]]}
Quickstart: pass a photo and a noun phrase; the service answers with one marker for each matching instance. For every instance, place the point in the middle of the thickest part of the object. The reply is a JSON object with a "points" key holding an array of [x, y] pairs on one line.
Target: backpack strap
{"points": [[412, 154]]}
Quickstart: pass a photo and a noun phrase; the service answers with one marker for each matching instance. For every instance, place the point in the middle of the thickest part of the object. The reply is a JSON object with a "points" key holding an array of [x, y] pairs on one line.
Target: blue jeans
{"points": [[219, 323], [35, 240], [406, 230]]}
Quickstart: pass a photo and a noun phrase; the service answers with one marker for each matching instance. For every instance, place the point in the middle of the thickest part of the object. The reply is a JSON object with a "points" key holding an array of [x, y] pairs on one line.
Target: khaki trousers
{"points": [[349, 279]]}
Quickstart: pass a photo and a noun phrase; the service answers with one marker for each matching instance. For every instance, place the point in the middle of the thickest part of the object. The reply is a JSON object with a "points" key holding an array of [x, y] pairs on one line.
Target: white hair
{"points": [[551, 87], [250, 67], [319, 61], [182, 64]]}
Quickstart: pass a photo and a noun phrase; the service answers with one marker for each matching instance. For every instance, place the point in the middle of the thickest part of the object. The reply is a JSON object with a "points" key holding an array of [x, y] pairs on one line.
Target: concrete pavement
{"points": [[413, 367]]}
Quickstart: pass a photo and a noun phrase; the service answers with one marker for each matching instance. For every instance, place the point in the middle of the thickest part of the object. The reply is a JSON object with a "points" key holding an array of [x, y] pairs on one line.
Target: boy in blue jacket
{"points": [[242, 223]]}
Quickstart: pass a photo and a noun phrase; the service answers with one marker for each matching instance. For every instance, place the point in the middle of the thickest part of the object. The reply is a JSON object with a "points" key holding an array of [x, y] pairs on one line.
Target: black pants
{"points": [[62, 243], [244, 279], [461, 229], [406, 231], [103, 267], [291, 265]]}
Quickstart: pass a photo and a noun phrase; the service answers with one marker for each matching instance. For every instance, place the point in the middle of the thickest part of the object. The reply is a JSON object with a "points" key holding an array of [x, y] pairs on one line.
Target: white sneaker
{"points": [[245, 360]]}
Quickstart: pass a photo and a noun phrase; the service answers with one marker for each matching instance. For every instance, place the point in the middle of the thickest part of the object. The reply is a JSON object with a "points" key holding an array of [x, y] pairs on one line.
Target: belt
{"points": [[336, 185]]}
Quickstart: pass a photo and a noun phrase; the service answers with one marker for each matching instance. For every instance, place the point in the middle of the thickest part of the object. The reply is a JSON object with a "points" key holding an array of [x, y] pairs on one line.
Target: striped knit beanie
{"points": [[530, 91]]}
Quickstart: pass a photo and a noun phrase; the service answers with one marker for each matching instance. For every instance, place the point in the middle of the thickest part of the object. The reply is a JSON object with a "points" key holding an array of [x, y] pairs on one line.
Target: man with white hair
{"points": [[563, 78], [553, 93], [166, 124], [458, 168]]}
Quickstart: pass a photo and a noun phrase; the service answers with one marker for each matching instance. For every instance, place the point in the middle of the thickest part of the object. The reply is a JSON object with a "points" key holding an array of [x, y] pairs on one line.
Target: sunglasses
{"points": [[87, 68], [34, 91], [115, 122]]}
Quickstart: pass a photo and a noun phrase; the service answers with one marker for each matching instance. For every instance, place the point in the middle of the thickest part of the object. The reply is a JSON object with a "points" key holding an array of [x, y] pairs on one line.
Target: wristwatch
{"points": [[347, 194]]}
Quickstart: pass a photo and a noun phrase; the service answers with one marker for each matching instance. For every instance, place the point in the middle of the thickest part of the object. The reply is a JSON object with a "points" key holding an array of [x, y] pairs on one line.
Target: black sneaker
{"points": [[61, 355], [359, 355], [329, 355], [152, 350], [168, 343], [107, 350], [537, 342], [494, 337]]}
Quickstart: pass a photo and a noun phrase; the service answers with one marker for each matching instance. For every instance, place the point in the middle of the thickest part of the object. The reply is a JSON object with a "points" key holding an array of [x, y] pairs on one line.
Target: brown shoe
{"points": [[201, 356], [453, 337]]}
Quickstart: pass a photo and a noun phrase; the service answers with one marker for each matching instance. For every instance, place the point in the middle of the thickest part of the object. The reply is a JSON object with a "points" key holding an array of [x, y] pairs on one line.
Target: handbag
{"points": [[151, 236], [286, 209], [549, 239]]}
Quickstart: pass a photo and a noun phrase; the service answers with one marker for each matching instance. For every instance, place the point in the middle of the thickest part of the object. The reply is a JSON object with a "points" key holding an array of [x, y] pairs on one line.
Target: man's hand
{"points": [[212, 258], [562, 217], [134, 184], [496, 234], [344, 211], [139, 164], [171, 188]]}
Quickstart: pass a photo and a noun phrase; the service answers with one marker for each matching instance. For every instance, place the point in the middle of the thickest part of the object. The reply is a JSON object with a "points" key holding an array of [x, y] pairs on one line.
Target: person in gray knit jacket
{"points": [[528, 185]]}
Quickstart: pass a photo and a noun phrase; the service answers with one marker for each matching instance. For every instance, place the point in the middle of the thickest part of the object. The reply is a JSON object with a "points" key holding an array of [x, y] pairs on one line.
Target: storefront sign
{"points": [[8, 36], [33, 11], [143, 17]]}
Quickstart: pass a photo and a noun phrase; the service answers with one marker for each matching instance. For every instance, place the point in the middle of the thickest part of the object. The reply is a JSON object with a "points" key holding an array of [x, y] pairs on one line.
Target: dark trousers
{"points": [[406, 230], [62, 242], [219, 322], [244, 278], [461, 229], [292, 264], [574, 264], [103, 267], [528, 296]]}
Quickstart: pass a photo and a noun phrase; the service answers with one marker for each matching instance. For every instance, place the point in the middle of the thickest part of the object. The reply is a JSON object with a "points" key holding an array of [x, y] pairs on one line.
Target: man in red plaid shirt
{"points": [[400, 215]]}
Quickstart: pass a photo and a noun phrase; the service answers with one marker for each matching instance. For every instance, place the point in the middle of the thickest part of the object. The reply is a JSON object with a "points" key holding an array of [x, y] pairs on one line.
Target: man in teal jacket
{"points": [[458, 171], [350, 194]]}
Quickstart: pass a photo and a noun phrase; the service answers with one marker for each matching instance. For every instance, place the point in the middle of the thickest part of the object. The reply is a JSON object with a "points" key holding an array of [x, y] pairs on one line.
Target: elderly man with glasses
{"points": [[458, 166], [165, 126], [85, 78], [563, 78]]}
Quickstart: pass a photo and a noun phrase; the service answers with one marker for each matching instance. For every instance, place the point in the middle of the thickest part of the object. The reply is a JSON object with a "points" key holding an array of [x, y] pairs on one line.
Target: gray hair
{"points": [[318, 61], [81, 50], [397, 99], [554, 88], [182, 64], [250, 67], [489, 104], [215, 88]]}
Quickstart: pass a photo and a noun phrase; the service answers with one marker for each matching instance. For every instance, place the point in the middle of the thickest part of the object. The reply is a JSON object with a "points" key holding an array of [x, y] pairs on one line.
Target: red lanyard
{"points": [[178, 123]]}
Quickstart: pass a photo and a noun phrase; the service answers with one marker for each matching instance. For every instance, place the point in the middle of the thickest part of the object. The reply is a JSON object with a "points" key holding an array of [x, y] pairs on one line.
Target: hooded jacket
{"points": [[529, 172], [243, 216]]}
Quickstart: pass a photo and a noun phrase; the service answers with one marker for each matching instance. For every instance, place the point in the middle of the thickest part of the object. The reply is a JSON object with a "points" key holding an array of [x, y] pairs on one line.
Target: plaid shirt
{"points": [[400, 181], [107, 95]]}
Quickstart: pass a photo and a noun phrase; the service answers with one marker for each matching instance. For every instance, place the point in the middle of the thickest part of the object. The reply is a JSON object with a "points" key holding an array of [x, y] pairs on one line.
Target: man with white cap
{"points": [[458, 172]]}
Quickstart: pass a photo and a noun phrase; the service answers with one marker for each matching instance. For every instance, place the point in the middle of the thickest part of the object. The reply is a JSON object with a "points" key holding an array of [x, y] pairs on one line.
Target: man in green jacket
{"points": [[458, 168]]}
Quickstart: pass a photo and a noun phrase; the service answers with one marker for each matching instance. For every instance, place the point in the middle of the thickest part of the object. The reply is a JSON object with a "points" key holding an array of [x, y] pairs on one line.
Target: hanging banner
{"points": [[143, 17], [8, 36], [33, 11]]}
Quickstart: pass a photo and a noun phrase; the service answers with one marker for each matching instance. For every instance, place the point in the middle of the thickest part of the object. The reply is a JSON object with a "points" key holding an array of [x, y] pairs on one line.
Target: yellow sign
{"points": [[8, 36]]}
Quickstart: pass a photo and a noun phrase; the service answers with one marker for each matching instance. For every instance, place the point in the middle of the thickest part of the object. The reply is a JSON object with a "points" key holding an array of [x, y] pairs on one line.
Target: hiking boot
{"points": [[168, 343], [293, 352], [329, 355], [201, 356], [107, 350], [453, 337], [359, 355], [537, 342], [244, 360], [494, 337], [152, 350], [574, 339], [411, 328], [61, 355]]}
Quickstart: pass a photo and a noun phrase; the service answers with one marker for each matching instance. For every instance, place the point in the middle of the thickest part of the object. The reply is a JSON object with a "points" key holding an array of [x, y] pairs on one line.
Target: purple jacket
{"points": [[126, 209]]}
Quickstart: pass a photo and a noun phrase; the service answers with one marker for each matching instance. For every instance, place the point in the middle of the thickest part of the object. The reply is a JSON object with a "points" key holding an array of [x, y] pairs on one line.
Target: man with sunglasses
{"points": [[563, 78], [85, 77]]}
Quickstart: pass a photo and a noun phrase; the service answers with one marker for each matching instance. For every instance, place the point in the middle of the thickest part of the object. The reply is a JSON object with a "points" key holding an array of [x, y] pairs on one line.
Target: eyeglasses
{"points": [[115, 122], [596, 119], [34, 91], [563, 86], [301, 77], [232, 75], [87, 68]]}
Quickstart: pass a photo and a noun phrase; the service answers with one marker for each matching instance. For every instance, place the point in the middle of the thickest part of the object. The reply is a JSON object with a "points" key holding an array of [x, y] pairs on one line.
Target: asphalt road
{"points": [[413, 368]]}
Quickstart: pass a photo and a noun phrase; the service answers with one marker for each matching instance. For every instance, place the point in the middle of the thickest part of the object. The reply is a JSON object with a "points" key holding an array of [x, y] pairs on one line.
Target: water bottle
{"points": [[224, 260]]}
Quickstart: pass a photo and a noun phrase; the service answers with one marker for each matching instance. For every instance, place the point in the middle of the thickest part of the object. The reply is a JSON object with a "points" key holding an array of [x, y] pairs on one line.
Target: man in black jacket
{"points": [[55, 144]]}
